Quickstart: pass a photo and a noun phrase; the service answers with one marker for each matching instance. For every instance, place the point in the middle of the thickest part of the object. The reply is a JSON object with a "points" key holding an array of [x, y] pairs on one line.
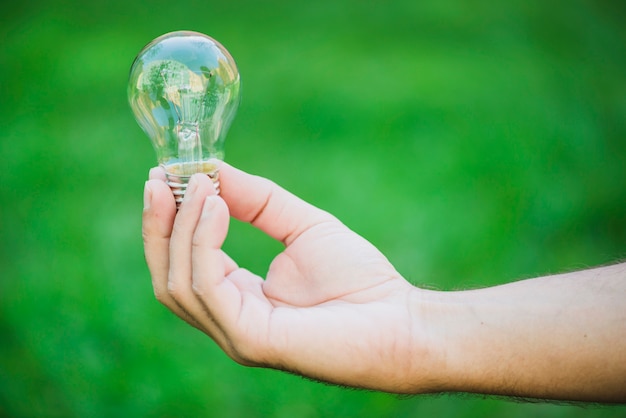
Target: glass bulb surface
{"points": [[184, 90]]}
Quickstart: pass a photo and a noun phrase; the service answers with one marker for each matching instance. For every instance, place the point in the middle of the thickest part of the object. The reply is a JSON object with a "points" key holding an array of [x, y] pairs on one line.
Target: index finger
{"points": [[158, 218]]}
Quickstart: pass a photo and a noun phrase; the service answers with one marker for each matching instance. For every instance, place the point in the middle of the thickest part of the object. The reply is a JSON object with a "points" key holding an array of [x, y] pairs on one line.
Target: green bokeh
{"points": [[474, 143]]}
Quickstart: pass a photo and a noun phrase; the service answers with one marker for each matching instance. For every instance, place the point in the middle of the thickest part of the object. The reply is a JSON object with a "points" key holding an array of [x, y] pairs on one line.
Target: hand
{"points": [[331, 307]]}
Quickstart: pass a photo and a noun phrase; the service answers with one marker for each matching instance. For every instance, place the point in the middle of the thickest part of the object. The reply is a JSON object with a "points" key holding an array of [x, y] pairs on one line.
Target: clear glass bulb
{"points": [[184, 91]]}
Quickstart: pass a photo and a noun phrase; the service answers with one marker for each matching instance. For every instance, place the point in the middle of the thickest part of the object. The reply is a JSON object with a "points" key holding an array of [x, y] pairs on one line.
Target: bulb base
{"points": [[178, 176]]}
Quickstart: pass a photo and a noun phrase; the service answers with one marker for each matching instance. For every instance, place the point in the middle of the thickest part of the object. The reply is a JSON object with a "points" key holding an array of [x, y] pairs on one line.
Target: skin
{"points": [[333, 308]]}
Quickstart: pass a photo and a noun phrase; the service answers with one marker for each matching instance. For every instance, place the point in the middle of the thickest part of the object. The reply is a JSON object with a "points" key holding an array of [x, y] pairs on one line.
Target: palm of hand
{"points": [[327, 262], [328, 289]]}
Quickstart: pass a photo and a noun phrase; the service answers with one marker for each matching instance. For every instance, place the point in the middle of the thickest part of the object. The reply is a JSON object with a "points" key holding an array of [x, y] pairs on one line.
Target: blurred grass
{"points": [[473, 142]]}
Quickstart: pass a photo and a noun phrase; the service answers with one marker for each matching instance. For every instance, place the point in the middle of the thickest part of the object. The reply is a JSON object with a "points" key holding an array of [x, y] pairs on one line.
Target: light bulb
{"points": [[184, 91]]}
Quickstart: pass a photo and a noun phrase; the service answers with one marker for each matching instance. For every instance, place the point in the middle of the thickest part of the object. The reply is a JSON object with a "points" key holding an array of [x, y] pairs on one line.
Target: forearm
{"points": [[556, 337]]}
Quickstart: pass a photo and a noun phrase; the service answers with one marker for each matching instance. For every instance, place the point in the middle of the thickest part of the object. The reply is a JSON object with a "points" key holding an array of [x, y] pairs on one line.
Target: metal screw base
{"points": [[178, 184]]}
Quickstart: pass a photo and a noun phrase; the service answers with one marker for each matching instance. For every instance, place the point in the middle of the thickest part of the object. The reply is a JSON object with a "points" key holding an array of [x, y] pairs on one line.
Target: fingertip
{"points": [[158, 197], [192, 185], [147, 196], [157, 173], [209, 204], [214, 218], [212, 204], [210, 183], [199, 184], [241, 190]]}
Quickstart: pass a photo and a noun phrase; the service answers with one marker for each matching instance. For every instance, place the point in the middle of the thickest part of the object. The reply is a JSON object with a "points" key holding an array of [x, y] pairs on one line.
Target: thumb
{"points": [[268, 206]]}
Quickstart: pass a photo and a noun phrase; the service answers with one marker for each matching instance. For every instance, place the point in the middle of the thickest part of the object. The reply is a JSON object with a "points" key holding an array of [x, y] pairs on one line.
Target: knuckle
{"points": [[159, 294], [197, 288], [197, 240], [173, 290]]}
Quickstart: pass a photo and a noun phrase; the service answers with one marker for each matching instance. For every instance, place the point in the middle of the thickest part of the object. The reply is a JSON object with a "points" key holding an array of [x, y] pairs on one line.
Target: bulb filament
{"points": [[184, 90]]}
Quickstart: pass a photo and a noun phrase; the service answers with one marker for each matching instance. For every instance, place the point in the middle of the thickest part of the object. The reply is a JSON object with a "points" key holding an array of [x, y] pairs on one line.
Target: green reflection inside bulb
{"points": [[184, 90]]}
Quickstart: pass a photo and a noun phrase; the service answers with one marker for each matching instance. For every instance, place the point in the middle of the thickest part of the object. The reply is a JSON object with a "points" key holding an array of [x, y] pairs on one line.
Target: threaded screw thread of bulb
{"points": [[178, 176]]}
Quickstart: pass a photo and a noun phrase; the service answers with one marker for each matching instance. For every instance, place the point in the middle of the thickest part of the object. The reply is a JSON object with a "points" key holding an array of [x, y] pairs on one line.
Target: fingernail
{"points": [[191, 187], [147, 196], [209, 204]]}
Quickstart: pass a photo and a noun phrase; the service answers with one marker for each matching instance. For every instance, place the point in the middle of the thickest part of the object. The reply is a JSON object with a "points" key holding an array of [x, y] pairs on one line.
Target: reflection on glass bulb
{"points": [[184, 91]]}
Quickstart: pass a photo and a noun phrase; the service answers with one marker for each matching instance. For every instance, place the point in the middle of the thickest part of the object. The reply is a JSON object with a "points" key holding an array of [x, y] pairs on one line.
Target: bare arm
{"points": [[333, 308], [555, 337]]}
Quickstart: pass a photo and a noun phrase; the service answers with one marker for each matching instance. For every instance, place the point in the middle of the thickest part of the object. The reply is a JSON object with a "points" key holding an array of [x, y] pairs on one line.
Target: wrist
{"points": [[430, 313], [470, 346]]}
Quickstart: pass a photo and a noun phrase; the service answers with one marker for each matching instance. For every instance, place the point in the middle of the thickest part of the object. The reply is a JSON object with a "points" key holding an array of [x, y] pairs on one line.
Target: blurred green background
{"points": [[473, 142]]}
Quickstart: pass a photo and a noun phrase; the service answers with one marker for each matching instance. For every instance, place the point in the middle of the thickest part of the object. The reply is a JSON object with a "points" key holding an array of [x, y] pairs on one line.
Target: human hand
{"points": [[332, 307]]}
